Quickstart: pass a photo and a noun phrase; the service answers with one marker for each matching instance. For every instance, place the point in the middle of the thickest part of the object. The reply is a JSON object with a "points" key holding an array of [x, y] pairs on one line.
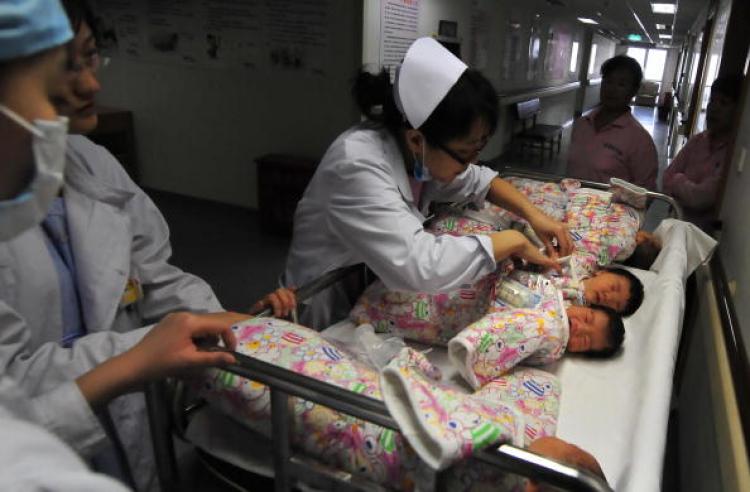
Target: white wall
{"points": [[735, 239], [670, 66], [198, 130]]}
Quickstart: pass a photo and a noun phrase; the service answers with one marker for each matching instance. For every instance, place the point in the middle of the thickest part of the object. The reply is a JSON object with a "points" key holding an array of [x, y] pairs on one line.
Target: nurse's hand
{"points": [[547, 229], [171, 348], [173, 345], [282, 301], [513, 243]]}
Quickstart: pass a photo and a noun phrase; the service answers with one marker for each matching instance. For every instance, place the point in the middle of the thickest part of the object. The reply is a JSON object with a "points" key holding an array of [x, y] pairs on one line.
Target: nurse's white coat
{"points": [[117, 234], [359, 208]]}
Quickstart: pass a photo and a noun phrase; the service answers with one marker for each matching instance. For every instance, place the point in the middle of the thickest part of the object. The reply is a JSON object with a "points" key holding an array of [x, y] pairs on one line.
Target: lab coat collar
{"points": [[80, 177], [100, 232], [396, 159]]}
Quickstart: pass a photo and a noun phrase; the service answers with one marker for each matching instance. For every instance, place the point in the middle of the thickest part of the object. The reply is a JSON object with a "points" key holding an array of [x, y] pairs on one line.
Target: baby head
{"points": [[615, 288], [646, 250], [594, 331]]}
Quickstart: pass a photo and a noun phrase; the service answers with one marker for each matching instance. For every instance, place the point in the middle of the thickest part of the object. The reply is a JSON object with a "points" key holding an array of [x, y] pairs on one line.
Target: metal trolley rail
{"points": [[167, 412]]}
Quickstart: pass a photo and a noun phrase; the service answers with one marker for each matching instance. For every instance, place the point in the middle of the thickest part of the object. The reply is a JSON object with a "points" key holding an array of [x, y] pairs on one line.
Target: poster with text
{"points": [[399, 27]]}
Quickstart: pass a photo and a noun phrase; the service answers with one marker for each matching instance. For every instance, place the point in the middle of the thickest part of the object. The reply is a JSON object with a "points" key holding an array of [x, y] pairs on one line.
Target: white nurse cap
{"points": [[424, 78]]}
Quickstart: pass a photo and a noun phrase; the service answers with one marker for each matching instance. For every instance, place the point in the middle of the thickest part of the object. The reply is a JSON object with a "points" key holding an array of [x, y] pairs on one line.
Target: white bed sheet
{"points": [[617, 409]]}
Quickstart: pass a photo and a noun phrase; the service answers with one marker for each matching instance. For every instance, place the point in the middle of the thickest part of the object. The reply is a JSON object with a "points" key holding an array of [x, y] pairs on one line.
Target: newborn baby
{"points": [[538, 335], [612, 287]]}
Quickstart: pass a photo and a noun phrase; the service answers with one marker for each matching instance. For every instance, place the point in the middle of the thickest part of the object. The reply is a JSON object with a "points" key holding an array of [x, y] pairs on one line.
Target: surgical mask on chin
{"points": [[421, 171], [49, 139]]}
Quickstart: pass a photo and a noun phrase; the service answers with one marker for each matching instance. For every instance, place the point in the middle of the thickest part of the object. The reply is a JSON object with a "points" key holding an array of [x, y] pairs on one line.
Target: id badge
{"points": [[132, 294]]}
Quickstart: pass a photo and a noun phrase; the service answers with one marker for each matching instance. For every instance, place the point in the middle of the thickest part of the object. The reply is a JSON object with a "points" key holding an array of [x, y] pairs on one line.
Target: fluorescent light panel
{"points": [[664, 8], [665, 36], [586, 20], [661, 26]]}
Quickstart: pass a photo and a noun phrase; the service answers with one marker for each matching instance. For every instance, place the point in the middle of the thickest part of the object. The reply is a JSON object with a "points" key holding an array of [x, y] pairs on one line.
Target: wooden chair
{"points": [[533, 135]]}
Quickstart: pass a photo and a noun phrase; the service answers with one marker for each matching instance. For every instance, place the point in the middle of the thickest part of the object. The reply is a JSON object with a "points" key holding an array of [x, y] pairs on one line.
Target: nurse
{"points": [[370, 194], [32, 161], [609, 142]]}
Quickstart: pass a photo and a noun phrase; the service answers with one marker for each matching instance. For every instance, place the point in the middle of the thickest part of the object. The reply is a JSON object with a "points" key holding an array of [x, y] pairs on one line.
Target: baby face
{"points": [[589, 329], [607, 289]]}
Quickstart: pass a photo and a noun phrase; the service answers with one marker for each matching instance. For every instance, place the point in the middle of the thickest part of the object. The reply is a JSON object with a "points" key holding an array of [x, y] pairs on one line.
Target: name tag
{"points": [[133, 293]]}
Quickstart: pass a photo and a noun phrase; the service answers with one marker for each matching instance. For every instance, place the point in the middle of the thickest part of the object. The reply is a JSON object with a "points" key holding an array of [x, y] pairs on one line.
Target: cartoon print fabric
{"points": [[445, 425], [420, 316], [525, 402], [508, 336]]}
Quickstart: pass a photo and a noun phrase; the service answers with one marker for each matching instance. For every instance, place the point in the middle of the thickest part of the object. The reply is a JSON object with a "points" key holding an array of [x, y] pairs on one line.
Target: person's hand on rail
{"points": [[282, 301]]}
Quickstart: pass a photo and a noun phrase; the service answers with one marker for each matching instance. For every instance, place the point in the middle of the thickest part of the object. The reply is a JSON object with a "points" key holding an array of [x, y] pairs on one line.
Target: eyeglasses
{"points": [[458, 158], [455, 156], [92, 62]]}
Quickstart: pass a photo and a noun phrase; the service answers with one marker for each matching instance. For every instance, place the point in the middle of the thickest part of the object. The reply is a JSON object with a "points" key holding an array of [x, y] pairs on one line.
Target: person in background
{"points": [[98, 261], [609, 142], [694, 176], [33, 34]]}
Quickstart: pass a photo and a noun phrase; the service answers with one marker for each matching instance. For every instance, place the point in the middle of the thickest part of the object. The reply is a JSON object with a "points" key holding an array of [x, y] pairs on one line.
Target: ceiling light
{"points": [[586, 20], [661, 26], [665, 36], [664, 8]]}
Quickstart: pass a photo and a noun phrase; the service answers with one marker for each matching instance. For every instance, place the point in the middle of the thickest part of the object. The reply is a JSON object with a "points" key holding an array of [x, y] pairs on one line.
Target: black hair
{"points": [[79, 11], [615, 336], [729, 85], [635, 298], [623, 61], [471, 97], [643, 256]]}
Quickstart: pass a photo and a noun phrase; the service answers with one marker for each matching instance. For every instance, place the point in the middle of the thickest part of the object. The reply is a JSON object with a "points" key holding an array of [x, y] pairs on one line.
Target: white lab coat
{"points": [[34, 459], [117, 233], [359, 208]]}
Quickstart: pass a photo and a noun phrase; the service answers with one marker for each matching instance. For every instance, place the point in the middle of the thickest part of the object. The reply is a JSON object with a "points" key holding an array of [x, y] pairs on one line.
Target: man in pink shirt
{"points": [[694, 176], [609, 142]]}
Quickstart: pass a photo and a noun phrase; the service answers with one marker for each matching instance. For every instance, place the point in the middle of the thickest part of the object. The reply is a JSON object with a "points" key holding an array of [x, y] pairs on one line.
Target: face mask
{"points": [[421, 171], [48, 149]]}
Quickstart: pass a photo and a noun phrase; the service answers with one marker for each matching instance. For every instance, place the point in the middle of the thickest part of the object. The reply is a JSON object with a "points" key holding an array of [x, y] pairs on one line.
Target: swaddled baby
{"points": [[605, 230], [548, 197], [612, 287], [509, 410], [531, 328]]}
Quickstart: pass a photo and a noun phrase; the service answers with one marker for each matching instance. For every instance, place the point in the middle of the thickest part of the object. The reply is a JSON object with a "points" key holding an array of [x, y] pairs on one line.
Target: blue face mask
{"points": [[421, 171]]}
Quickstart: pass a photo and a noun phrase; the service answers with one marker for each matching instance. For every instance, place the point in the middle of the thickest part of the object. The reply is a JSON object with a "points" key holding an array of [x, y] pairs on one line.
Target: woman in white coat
{"points": [[32, 160], [370, 194], [73, 299]]}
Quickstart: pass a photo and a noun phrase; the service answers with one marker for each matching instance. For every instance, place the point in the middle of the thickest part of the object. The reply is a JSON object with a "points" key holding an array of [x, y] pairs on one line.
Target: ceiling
{"points": [[616, 17]]}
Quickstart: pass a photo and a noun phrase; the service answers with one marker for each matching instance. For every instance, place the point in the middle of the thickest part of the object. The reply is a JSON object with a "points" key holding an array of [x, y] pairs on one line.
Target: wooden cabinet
{"points": [[115, 133], [282, 180]]}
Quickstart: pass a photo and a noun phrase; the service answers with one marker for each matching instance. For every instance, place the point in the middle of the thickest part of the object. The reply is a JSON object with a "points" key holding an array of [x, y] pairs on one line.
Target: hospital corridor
{"points": [[374, 245]]}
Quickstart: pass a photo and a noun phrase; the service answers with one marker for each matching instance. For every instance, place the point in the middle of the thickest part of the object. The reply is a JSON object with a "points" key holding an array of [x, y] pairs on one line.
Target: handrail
{"points": [[534, 466], [318, 285], [284, 382], [509, 172], [736, 348], [524, 94]]}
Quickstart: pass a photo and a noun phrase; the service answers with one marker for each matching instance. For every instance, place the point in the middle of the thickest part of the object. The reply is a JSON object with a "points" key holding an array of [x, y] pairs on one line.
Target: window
{"points": [[655, 64], [592, 61], [574, 57], [639, 54], [651, 60]]}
